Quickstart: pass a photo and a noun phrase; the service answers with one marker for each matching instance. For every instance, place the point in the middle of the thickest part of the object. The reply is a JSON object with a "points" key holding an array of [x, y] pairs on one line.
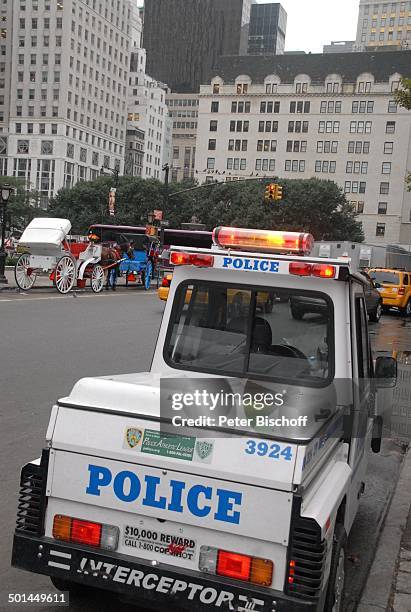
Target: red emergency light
{"points": [[201, 260], [300, 268], [266, 241]]}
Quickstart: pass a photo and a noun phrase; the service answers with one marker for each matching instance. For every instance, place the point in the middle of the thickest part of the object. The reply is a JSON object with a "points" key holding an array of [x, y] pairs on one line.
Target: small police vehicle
{"points": [[197, 507]]}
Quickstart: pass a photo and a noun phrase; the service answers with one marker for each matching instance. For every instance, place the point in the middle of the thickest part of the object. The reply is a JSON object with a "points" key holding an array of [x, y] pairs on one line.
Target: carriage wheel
{"points": [[65, 274], [24, 275], [97, 279], [147, 276]]}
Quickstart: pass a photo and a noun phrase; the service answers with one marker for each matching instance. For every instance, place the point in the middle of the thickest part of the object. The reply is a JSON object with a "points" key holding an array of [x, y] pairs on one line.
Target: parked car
{"points": [[394, 288], [302, 305]]}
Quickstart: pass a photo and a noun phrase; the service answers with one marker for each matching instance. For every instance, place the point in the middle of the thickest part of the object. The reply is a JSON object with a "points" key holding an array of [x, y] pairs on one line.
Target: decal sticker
{"points": [[133, 436], [163, 444], [159, 542]]}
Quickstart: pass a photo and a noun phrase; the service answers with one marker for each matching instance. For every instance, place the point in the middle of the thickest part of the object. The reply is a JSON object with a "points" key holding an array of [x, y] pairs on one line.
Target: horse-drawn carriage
{"points": [[137, 253], [48, 248]]}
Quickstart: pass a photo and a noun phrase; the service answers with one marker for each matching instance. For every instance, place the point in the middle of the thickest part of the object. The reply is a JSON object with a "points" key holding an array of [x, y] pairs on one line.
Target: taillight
{"points": [[80, 531], [306, 269], [401, 291], [200, 260], [233, 565], [236, 566], [166, 282]]}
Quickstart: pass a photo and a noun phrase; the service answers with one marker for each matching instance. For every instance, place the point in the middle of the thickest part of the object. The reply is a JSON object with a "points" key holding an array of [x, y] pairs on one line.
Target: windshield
{"points": [[385, 277], [241, 331]]}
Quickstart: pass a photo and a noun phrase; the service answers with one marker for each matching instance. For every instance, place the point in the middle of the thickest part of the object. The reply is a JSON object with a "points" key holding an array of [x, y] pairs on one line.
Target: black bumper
{"points": [[159, 587]]}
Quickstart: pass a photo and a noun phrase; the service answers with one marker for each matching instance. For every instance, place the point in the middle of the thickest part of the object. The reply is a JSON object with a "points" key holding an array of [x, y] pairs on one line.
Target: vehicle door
{"points": [[363, 397]]}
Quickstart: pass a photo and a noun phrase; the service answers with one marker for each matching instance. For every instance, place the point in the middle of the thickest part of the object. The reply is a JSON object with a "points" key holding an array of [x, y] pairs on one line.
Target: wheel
{"points": [[406, 312], [65, 274], [375, 315], [24, 275], [296, 314], [335, 590], [97, 279], [147, 275]]}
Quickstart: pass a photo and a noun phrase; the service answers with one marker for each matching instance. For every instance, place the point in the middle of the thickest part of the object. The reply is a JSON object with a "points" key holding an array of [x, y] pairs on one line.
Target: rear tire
{"points": [[406, 312], [375, 315], [334, 600]]}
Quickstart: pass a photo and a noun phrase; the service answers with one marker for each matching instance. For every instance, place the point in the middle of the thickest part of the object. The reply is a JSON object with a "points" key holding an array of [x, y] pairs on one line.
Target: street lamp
{"points": [[5, 192]]}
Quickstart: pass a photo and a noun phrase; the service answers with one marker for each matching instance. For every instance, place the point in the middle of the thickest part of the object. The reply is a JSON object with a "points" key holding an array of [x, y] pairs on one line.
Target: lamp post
{"points": [[5, 192]]}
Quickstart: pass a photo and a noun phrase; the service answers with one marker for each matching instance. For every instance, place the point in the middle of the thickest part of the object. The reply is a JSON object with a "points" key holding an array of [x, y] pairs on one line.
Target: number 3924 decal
{"points": [[272, 451]]}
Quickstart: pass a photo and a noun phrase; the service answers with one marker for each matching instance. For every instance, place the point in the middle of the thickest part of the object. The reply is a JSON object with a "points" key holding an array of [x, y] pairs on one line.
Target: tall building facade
{"points": [[326, 116], [184, 38], [268, 24], [183, 110], [65, 82], [147, 113], [384, 23]]}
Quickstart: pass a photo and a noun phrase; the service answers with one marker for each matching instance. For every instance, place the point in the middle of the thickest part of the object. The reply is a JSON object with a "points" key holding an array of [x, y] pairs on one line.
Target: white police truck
{"points": [[154, 488]]}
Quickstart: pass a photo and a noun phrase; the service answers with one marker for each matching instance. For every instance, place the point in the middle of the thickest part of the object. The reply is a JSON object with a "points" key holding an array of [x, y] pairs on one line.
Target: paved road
{"points": [[48, 342]]}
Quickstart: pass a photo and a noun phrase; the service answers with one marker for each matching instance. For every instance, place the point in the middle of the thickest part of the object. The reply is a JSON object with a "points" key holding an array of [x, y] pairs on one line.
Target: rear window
{"points": [[247, 332], [385, 277]]}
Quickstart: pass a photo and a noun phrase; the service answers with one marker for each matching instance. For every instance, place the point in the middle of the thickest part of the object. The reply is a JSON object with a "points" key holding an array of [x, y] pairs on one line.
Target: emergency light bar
{"points": [[266, 241]]}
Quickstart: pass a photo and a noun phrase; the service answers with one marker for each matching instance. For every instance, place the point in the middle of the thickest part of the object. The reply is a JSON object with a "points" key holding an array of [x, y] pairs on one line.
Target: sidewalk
{"points": [[388, 586]]}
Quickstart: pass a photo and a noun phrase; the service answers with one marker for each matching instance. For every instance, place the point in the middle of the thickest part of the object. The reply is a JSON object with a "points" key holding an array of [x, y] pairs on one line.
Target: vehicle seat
{"points": [[262, 336]]}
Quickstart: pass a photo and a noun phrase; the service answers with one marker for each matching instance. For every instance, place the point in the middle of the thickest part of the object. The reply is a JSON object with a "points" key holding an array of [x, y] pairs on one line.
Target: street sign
{"points": [[151, 230], [164, 223], [158, 215]]}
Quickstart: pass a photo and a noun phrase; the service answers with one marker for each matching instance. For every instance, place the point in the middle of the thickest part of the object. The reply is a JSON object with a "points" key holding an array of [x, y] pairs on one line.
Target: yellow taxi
{"points": [[264, 300], [394, 287]]}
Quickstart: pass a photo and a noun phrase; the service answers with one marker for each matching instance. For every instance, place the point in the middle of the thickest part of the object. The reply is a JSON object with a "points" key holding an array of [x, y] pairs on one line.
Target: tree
{"points": [[312, 205], [87, 203], [403, 98], [23, 205]]}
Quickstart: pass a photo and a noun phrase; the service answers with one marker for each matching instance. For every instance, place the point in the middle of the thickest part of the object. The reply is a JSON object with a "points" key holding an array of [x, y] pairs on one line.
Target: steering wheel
{"points": [[288, 351]]}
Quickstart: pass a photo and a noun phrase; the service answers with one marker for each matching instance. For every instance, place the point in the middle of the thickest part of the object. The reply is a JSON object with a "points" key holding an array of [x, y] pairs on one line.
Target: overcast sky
{"points": [[313, 23]]}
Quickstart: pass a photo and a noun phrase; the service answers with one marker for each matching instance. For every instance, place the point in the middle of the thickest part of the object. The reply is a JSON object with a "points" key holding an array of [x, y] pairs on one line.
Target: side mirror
{"points": [[377, 285], [386, 372]]}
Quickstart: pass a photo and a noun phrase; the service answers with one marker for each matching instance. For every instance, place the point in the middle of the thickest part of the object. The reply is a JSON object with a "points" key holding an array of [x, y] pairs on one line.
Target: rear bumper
{"points": [[159, 587]]}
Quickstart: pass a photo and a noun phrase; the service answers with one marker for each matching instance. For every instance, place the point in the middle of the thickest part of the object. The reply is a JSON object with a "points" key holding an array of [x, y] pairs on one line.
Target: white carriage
{"points": [[48, 248]]}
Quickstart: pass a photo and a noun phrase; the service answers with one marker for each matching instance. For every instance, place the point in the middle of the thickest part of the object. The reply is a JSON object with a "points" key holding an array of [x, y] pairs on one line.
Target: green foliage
{"points": [[23, 205], [403, 95], [310, 205], [403, 98]]}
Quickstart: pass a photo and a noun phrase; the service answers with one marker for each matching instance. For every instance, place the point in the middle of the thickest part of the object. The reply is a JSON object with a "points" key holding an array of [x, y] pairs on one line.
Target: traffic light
{"points": [[279, 192], [273, 192]]}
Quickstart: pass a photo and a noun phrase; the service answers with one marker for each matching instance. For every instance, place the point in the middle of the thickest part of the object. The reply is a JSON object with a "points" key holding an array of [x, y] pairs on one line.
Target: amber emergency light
{"points": [[266, 241]]}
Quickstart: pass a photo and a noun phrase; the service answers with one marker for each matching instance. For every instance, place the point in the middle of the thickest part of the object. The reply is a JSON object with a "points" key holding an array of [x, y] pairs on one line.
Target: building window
{"points": [[380, 229], [390, 127], [214, 107], [388, 148], [70, 150], [384, 188], [212, 144], [386, 168], [301, 87], [23, 146], [360, 207], [325, 166], [213, 126], [382, 208], [210, 163], [392, 106], [216, 88], [242, 88]]}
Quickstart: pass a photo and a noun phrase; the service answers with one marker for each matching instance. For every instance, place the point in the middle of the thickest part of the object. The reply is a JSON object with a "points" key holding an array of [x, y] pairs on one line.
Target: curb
{"points": [[378, 587]]}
